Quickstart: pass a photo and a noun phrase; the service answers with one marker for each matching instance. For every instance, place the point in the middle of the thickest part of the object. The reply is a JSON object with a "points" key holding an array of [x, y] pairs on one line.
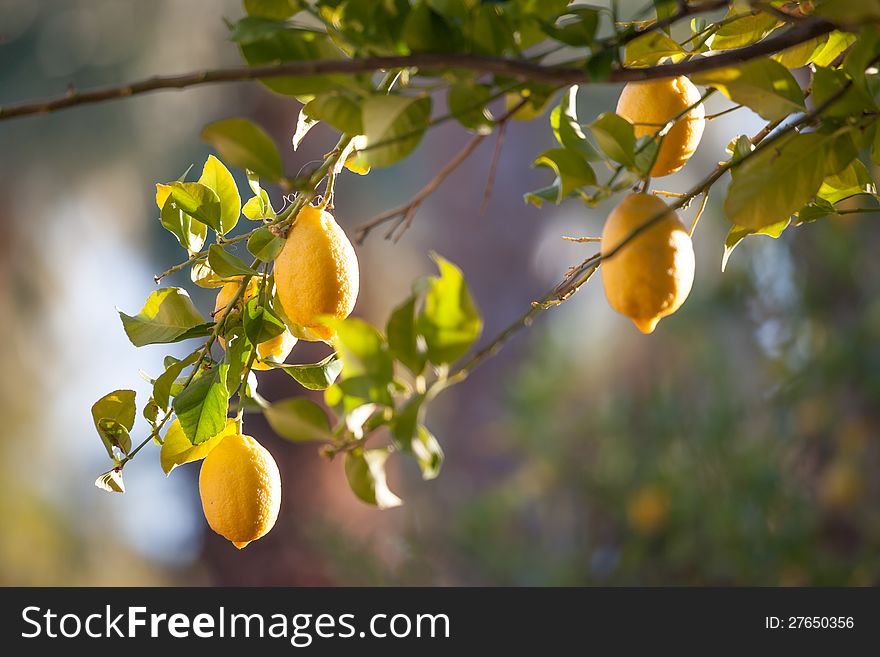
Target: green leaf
{"points": [[245, 145], [649, 49], [854, 179], [111, 481], [571, 169], [298, 419], [178, 450], [238, 353], [163, 383], [616, 137], [486, 31], [264, 41], [801, 54], [576, 27], [169, 315], [260, 324], [828, 82], [428, 453], [365, 471], [848, 13], [304, 123], [425, 30], [190, 233], [202, 275], [215, 176], [815, 210], [776, 181], [546, 194], [858, 59], [403, 338], [275, 9], [467, 103], [363, 350], [201, 406], [341, 112], [449, 320], [763, 85], [227, 265], [404, 427], [316, 376], [738, 233], [198, 201], [742, 31], [393, 126], [600, 65], [834, 46], [259, 207], [113, 416], [265, 245], [567, 129]]}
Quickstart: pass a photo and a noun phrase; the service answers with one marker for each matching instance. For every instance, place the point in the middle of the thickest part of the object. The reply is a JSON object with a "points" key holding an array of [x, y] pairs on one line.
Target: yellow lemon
{"points": [[317, 271], [651, 104], [648, 510], [240, 489], [650, 276], [277, 348]]}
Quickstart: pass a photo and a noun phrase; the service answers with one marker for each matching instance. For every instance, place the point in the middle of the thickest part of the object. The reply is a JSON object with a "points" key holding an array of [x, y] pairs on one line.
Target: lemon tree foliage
{"points": [[286, 271]]}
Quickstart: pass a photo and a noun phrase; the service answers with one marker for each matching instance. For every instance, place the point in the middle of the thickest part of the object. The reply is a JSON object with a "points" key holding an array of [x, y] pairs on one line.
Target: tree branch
{"points": [[518, 69]]}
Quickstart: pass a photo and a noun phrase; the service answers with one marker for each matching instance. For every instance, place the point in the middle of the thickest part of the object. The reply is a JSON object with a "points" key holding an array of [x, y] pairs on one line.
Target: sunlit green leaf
{"points": [[113, 416], [449, 320], [245, 145], [189, 232], [365, 471], [853, 180], [567, 129], [776, 181], [260, 323], [265, 245], [744, 30], [616, 137], [111, 481], [571, 169], [649, 49], [738, 233], [763, 85], [178, 450], [201, 406], [393, 126], [227, 265], [168, 315], [215, 176], [315, 376], [164, 382]]}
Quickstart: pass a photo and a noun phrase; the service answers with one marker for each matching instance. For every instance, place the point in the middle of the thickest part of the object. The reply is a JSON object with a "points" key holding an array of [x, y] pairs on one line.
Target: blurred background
{"points": [[736, 445]]}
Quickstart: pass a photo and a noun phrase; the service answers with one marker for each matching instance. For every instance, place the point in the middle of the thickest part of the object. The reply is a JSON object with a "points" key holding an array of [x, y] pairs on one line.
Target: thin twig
{"points": [[520, 69], [493, 167], [404, 212]]}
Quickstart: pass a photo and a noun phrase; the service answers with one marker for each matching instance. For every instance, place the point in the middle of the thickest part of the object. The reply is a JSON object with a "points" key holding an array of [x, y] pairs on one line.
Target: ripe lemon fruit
{"points": [[240, 489], [277, 348], [317, 271], [650, 276], [650, 105]]}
